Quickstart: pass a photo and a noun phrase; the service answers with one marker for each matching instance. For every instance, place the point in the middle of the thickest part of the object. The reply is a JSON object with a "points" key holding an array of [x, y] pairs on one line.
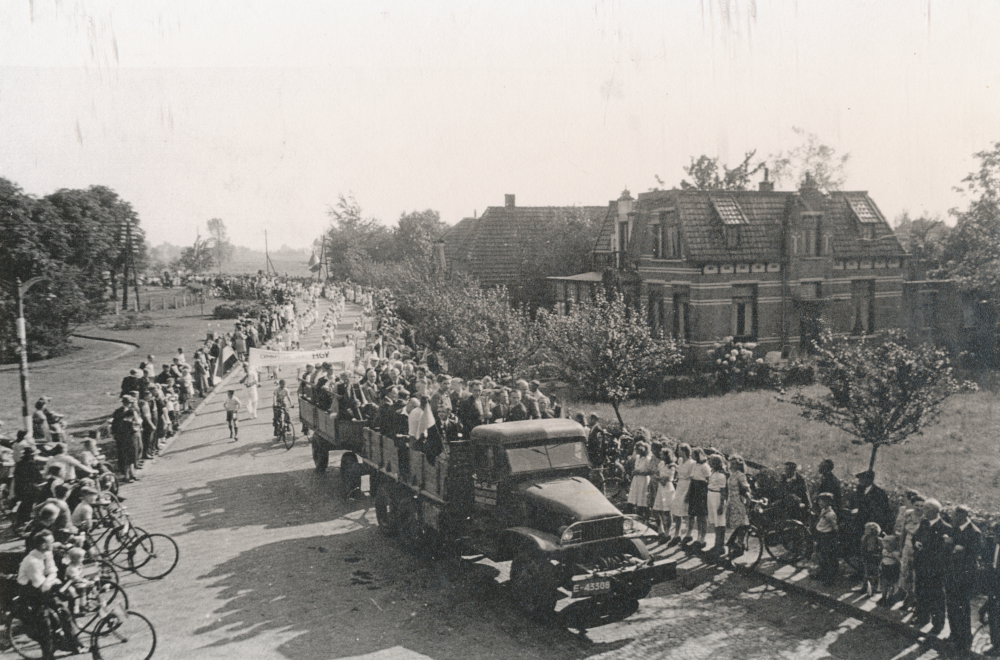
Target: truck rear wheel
{"points": [[350, 474], [534, 581], [321, 455], [386, 511], [418, 536]]}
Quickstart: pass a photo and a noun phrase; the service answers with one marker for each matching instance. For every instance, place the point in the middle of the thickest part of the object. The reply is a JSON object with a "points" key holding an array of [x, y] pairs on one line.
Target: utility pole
{"points": [[129, 261], [267, 257], [22, 339]]}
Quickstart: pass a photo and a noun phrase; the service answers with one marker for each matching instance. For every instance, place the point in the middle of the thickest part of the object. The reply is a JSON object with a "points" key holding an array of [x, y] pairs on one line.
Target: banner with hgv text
{"points": [[341, 358]]}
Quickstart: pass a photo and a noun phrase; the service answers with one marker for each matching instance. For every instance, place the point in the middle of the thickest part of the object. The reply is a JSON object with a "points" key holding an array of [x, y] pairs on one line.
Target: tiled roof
{"points": [[841, 220], [759, 233], [758, 216], [457, 240], [493, 247]]}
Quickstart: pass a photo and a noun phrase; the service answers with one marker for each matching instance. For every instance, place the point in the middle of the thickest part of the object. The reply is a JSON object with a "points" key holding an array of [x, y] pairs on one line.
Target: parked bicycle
{"points": [[786, 540]]}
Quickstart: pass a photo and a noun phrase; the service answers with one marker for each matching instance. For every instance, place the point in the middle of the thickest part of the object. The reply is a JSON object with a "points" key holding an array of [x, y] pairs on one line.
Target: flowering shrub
{"points": [[736, 369]]}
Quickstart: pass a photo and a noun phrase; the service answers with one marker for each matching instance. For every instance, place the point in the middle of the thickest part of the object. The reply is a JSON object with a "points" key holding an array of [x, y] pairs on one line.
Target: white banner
{"points": [[343, 356]]}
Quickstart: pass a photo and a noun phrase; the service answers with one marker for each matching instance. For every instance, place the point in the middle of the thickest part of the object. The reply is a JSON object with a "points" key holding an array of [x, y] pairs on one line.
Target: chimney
{"points": [[766, 185], [508, 201]]}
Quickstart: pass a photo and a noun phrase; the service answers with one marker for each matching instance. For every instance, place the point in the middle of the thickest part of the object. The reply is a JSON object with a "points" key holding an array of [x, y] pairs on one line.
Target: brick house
{"points": [[506, 244], [772, 267]]}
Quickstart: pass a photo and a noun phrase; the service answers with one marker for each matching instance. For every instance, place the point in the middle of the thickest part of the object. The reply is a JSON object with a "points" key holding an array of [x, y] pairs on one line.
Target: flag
{"points": [[313, 263]]}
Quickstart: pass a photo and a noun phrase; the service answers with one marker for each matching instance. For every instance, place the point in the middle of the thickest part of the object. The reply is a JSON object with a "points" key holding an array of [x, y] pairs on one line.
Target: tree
{"points": [[705, 175], [415, 234], [880, 392], [972, 252], [353, 237], [197, 258], [222, 249], [819, 160], [605, 349], [924, 238]]}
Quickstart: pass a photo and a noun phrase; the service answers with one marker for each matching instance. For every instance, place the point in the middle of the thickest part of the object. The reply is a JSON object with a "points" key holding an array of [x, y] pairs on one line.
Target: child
{"points": [[871, 558], [75, 584], [232, 406], [826, 540], [891, 555]]}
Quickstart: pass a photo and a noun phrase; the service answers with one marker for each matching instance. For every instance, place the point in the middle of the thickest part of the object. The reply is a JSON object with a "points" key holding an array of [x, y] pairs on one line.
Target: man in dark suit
{"points": [[471, 411], [991, 587], [873, 503], [130, 382], [967, 544], [931, 547], [516, 412]]}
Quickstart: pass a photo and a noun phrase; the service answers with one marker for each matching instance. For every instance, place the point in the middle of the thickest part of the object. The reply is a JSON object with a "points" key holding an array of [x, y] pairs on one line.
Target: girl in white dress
{"points": [[664, 487], [638, 494], [678, 508]]}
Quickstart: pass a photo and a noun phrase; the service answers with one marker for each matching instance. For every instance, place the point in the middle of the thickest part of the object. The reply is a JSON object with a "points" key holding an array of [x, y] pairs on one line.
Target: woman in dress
{"points": [[718, 494], [252, 381], [907, 523], [638, 494], [736, 510], [679, 507], [664, 487], [698, 497]]}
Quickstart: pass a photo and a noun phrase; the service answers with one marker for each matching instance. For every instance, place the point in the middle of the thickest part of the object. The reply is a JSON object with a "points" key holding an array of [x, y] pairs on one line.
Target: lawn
{"points": [[956, 460], [84, 385]]}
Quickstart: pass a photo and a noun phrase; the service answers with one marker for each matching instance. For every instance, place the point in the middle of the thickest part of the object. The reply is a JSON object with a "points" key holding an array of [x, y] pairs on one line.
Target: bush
{"points": [[236, 310], [798, 373], [736, 369], [130, 321]]}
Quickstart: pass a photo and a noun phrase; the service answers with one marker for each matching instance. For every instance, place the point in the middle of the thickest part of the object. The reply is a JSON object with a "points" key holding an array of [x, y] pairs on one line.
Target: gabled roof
{"points": [[758, 217], [492, 248]]}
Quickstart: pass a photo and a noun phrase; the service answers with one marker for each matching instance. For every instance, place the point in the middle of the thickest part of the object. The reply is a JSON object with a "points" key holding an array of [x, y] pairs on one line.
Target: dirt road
{"points": [[275, 564]]}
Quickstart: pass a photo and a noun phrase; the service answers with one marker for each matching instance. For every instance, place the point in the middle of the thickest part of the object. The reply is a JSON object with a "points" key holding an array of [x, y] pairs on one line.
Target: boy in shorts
{"points": [[232, 406]]}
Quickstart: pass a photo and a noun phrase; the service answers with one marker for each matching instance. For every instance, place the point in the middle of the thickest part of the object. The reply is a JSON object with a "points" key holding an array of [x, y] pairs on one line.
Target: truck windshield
{"points": [[558, 454]]}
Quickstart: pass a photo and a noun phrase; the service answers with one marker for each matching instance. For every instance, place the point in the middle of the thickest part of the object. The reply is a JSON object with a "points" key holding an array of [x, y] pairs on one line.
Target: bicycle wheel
{"points": [[752, 545], [108, 481], [117, 546], [155, 555], [123, 634], [787, 541], [25, 639], [288, 436], [104, 596]]}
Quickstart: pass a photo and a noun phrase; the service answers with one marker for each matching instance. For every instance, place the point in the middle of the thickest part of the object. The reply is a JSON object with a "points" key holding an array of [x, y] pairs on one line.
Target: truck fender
{"points": [[516, 537]]}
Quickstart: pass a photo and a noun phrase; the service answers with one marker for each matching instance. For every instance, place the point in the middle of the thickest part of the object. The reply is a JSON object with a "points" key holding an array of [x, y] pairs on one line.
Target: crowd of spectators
{"points": [[930, 560]]}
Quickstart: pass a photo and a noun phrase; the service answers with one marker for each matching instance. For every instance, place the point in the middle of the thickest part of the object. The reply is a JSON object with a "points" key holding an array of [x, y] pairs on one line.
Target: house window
{"points": [[862, 307], [682, 316], [868, 232], [813, 242], [744, 312], [657, 231], [930, 310], [672, 246]]}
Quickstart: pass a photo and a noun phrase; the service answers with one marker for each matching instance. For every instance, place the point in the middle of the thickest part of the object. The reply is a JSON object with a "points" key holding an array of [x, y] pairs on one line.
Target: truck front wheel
{"points": [[385, 511], [534, 581]]}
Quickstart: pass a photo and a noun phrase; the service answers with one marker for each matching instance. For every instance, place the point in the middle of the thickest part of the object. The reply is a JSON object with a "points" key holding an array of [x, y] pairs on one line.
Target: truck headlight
{"points": [[570, 534], [630, 526]]}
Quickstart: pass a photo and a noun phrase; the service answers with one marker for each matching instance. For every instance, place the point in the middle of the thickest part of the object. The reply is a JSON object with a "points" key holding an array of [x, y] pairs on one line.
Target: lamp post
{"points": [[22, 338]]}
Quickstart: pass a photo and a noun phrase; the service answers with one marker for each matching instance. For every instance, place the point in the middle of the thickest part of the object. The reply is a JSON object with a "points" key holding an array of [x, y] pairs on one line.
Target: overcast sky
{"points": [[261, 113]]}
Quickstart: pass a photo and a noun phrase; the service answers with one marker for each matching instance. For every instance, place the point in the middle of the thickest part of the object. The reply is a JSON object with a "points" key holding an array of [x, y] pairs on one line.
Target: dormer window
{"points": [[666, 239], [866, 216], [731, 216]]}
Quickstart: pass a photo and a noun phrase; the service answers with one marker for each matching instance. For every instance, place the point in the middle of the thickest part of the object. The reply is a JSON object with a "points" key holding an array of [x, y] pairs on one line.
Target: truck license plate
{"points": [[592, 587]]}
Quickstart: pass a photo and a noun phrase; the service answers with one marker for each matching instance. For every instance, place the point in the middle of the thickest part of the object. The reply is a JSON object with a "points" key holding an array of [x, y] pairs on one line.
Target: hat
{"points": [[791, 464], [866, 474], [87, 490], [133, 372], [127, 398]]}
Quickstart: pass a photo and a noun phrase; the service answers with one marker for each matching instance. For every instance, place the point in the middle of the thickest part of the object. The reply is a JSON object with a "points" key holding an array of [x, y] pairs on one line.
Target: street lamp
{"points": [[22, 338]]}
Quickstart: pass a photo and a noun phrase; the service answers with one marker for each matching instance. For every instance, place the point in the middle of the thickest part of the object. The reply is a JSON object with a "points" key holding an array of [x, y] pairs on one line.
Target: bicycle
{"points": [[786, 540], [286, 430], [150, 556], [115, 631]]}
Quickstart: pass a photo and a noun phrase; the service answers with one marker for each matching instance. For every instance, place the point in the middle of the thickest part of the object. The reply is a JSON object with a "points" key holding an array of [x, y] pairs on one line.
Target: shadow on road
{"points": [[274, 500], [364, 588]]}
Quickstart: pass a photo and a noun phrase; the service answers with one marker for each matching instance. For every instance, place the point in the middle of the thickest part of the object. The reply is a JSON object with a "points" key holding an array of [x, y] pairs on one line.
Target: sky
{"points": [[262, 113]]}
